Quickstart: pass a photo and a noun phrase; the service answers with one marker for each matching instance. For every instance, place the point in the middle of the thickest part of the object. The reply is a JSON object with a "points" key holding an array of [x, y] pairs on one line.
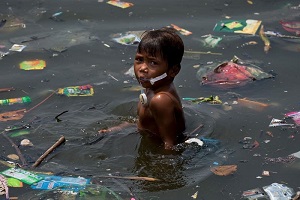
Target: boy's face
{"points": [[147, 67]]}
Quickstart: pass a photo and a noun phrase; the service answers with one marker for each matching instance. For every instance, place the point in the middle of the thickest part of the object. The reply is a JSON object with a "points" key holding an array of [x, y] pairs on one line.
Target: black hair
{"points": [[165, 42]]}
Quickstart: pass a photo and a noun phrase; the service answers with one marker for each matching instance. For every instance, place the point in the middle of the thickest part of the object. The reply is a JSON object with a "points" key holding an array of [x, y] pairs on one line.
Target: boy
{"points": [[156, 64]]}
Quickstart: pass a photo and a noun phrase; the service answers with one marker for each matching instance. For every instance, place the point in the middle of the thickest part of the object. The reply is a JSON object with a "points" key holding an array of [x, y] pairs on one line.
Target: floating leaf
{"points": [[224, 170]]}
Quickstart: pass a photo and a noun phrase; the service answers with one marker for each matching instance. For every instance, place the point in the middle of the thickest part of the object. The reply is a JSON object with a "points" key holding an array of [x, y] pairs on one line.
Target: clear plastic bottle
{"points": [[11, 101]]}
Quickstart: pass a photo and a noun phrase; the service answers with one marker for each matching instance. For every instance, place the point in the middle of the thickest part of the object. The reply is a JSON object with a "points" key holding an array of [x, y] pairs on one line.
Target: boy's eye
{"points": [[153, 63], [138, 59]]}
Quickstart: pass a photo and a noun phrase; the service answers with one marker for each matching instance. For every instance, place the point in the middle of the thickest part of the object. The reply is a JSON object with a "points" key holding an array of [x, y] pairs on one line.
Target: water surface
{"points": [[91, 57]]}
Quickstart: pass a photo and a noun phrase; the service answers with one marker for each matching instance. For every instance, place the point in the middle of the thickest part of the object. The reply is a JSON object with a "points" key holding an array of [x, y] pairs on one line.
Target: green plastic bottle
{"points": [[25, 99]]}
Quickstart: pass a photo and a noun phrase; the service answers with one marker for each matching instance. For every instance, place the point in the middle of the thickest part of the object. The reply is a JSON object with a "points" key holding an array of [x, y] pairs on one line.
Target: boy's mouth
{"points": [[143, 79]]}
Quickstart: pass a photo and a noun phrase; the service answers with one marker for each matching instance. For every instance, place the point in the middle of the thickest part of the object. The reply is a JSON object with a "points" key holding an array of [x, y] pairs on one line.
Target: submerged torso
{"points": [[147, 124]]}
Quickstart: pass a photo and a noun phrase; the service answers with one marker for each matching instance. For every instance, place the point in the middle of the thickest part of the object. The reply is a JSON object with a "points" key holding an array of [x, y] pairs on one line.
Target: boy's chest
{"points": [[146, 119]]}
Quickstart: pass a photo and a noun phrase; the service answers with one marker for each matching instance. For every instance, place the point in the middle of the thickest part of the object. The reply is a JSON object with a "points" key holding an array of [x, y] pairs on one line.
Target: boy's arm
{"points": [[162, 108], [115, 128]]}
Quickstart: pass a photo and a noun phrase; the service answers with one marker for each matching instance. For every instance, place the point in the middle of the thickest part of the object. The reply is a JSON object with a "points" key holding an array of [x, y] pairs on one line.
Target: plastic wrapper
{"points": [[231, 74], [295, 116], [67, 183], [291, 26], [254, 194], [278, 191], [128, 38], [84, 90]]}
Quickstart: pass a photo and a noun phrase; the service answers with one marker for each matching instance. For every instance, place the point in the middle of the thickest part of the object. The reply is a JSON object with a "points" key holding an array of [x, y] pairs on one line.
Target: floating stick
{"points": [[201, 52], [42, 157], [141, 178], [6, 89], [16, 148]]}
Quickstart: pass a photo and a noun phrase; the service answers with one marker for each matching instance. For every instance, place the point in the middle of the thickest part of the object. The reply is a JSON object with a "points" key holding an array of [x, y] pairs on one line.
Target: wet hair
{"points": [[164, 42]]}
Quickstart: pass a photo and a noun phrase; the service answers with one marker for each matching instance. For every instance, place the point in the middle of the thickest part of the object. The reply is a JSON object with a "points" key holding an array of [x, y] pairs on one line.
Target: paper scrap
{"points": [[17, 47]]}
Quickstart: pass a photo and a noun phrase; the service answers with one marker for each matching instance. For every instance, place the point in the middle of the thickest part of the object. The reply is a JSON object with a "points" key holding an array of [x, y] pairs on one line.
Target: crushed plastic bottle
{"points": [[25, 99]]}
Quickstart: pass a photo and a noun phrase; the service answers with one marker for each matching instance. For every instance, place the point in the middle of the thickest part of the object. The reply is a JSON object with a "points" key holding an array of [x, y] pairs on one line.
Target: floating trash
{"points": [[295, 116], [55, 16], [248, 26], [7, 89], [194, 196], [33, 65], [211, 99], [265, 173], [90, 191], [278, 122], [13, 156], [13, 182], [17, 47], [288, 159], [265, 39], [278, 191], [296, 154], [64, 183], [254, 194], [130, 39], [291, 26], [12, 115], [224, 170], [231, 74], [211, 40], [84, 90], [181, 30], [26, 142], [25, 99], [19, 133], [22, 175], [4, 187], [194, 140], [15, 128], [120, 4]]}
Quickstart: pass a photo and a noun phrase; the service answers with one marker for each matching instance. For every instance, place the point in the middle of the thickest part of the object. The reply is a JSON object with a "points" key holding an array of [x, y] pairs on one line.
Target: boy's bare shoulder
{"points": [[163, 100]]}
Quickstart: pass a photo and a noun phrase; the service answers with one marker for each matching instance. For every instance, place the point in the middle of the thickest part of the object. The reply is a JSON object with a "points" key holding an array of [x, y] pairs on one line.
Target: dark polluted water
{"points": [[75, 39]]}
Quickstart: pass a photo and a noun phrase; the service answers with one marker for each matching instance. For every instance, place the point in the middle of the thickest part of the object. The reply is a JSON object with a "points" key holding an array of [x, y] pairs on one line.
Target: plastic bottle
{"points": [[25, 99]]}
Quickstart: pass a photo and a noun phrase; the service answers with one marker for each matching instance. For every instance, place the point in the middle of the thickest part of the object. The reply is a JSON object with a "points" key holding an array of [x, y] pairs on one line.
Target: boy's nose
{"points": [[144, 67]]}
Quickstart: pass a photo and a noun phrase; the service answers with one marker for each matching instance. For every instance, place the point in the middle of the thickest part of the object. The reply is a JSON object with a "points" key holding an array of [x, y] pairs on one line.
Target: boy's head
{"points": [[164, 42]]}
